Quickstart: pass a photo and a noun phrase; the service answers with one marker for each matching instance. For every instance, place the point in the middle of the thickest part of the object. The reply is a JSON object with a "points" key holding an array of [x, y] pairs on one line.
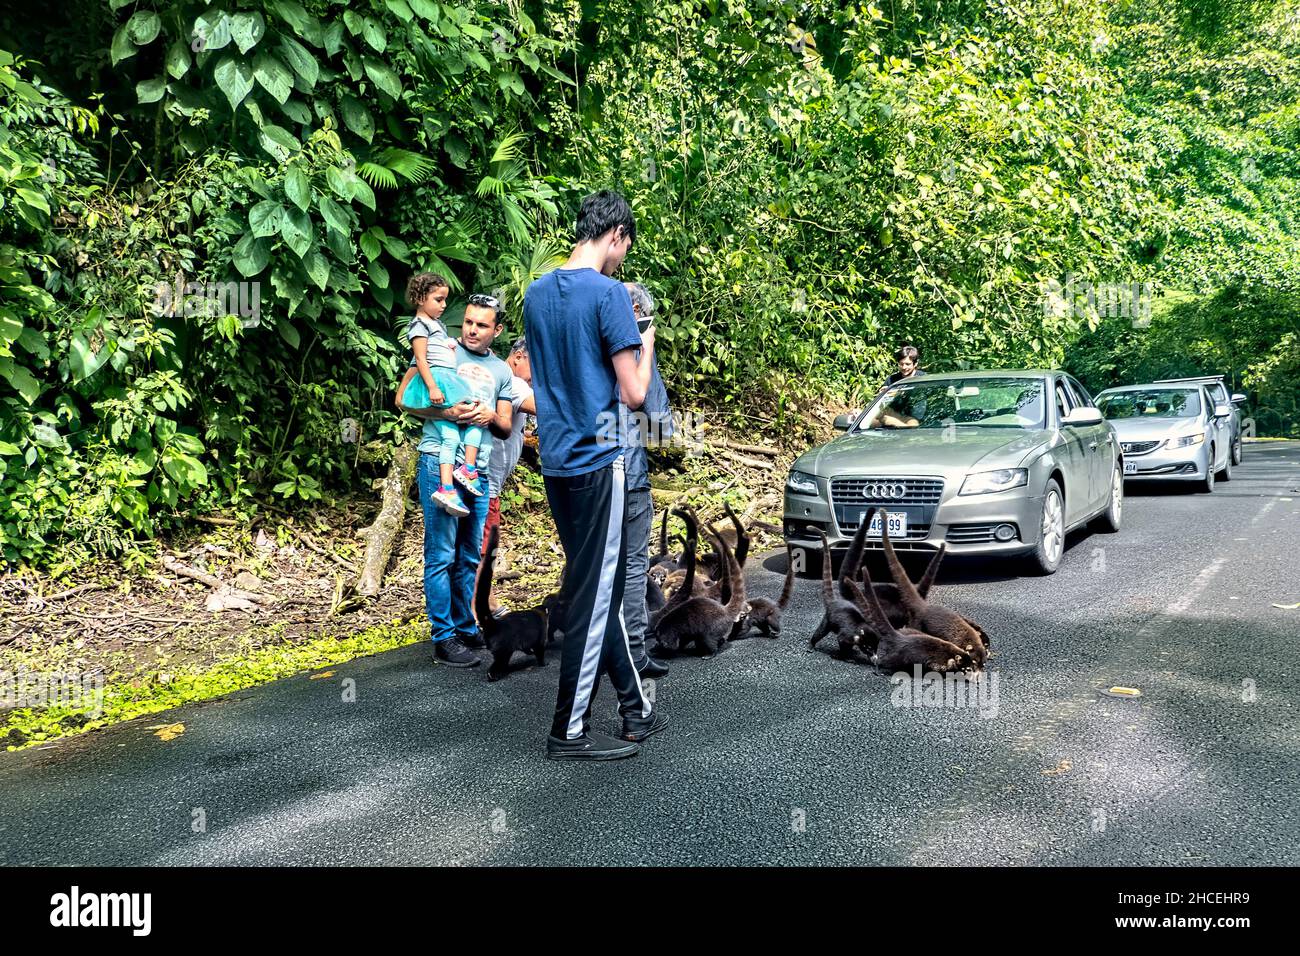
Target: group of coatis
{"points": [[895, 623], [698, 603]]}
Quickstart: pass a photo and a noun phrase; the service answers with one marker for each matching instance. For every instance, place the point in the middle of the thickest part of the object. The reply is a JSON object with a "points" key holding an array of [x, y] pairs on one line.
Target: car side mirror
{"points": [[1238, 398], [1222, 411], [842, 422], [1082, 416]]}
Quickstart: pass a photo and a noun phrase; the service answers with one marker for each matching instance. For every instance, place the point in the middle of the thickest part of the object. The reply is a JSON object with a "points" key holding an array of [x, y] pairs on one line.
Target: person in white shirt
{"points": [[506, 455]]}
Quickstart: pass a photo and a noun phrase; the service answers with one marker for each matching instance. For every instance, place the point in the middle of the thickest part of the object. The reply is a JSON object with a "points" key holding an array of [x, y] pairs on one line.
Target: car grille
{"points": [[970, 533], [886, 491], [1139, 447]]}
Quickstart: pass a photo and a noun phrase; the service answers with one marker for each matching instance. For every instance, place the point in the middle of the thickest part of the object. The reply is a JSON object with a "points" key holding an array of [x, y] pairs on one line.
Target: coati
{"points": [[703, 622], [891, 598], [516, 631], [901, 650], [764, 613], [736, 538], [681, 592], [930, 618], [664, 559], [841, 618]]}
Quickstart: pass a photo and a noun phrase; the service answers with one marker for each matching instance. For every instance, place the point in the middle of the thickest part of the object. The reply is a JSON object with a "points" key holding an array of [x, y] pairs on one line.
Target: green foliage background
{"points": [[813, 183]]}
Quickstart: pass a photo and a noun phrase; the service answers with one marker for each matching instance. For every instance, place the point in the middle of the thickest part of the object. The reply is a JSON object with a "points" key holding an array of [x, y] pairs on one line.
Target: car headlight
{"points": [[801, 483], [1003, 479], [1187, 440]]}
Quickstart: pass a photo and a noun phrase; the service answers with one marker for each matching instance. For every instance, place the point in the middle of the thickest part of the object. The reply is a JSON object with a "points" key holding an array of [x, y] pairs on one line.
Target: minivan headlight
{"points": [[1187, 440], [801, 483], [1003, 479]]}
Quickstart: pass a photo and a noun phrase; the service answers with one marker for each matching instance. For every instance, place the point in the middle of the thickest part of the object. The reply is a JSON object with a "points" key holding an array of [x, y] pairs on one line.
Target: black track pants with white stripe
{"points": [[589, 514]]}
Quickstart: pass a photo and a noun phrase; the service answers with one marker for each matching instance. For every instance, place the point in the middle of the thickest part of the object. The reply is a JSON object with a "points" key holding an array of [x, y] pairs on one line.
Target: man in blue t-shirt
{"points": [[452, 544], [582, 343]]}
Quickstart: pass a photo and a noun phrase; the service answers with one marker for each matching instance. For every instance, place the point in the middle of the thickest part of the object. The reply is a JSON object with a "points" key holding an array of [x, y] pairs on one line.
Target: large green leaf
{"points": [[22, 381], [247, 29], [211, 31], [383, 77], [374, 34], [318, 268], [300, 61], [235, 78], [297, 186], [121, 47], [151, 91], [400, 10], [334, 215], [279, 142], [143, 27], [356, 117], [83, 361], [273, 75], [251, 255], [303, 23], [264, 219], [178, 59], [296, 230]]}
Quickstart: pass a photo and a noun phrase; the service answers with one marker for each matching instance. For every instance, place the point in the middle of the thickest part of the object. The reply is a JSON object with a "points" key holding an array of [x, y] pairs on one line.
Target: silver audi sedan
{"points": [[999, 463], [1171, 432]]}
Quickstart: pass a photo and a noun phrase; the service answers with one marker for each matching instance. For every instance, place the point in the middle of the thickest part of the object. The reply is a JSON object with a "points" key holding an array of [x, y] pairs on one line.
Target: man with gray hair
{"points": [[651, 424]]}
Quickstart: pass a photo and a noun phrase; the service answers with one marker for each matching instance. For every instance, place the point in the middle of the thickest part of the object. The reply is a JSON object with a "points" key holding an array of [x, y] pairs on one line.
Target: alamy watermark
{"points": [[949, 691], [77, 691], [190, 299], [1082, 298], [641, 430]]}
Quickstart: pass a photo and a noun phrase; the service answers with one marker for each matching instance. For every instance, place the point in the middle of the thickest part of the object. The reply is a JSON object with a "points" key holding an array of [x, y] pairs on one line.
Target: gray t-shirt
{"points": [[509, 450], [439, 347], [488, 379]]}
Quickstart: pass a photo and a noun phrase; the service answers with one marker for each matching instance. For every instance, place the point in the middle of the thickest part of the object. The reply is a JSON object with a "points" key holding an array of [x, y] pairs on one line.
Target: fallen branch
{"points": [[310, 542], [379, 537], [749, 462], [753, 449], [213, 519], [212, 581]]}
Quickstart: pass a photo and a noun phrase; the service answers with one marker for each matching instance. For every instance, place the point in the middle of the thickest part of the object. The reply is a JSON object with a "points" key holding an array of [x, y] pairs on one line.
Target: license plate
{"points": [[1130, 468], [897, 525]]}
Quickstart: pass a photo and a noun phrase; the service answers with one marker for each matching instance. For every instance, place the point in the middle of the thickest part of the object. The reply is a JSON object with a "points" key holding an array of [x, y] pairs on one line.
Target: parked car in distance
{"points": [[1219, 395], [999, 463], [1170, 432]]}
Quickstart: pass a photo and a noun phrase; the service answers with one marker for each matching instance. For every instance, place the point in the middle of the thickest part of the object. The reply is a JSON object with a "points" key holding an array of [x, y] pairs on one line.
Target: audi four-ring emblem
{"points": [[884, 490]]}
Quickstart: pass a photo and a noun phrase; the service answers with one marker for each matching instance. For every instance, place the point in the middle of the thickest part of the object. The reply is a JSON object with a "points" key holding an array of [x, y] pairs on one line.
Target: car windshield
{"points": [[1150, 403], [981, 402]]}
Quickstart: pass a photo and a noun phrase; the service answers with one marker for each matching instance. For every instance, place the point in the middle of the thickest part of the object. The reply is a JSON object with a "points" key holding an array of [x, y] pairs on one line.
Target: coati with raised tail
{"points": [[682, 592], [664, 558], [702, 622], [841, 617], [891, 598], [764, 613], [928, 617], [901, 650], [736, 538], [516, 631]]}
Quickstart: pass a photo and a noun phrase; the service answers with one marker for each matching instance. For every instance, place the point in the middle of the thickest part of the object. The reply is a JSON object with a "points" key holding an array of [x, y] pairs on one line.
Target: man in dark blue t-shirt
{"points": [[582, 342]]}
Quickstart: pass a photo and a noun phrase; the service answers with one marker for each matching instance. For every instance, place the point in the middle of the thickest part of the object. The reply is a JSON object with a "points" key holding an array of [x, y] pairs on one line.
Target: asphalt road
{"points": [[777, 755]]}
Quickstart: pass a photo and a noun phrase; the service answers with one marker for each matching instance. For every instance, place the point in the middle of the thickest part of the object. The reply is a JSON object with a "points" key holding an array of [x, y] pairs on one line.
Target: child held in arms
{"points": [[437, 385]]}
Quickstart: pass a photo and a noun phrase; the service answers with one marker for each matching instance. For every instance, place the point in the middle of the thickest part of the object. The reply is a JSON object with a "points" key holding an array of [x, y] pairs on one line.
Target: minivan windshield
{"points": [[981, 402], [1150, 403]]}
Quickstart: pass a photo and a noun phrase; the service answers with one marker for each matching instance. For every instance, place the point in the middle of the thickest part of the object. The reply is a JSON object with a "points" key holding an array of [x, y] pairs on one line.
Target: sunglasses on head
{"points": [[485, 301]]}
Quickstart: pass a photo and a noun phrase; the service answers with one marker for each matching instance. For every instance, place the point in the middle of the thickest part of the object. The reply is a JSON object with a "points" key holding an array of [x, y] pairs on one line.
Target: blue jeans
{"points": [[451, 555]]}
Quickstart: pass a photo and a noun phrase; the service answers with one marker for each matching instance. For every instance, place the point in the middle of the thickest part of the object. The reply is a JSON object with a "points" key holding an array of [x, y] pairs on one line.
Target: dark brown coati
{"points": [[682, 592], [703, 622], [736, 538], [890, 597], [841, 618], [664, 559], [931, 618], [516, 631], [764, 613], [901, 650]]}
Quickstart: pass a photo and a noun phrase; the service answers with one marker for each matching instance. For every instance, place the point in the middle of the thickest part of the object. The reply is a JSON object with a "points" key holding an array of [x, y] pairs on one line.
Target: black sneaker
{"points": [[592, 745], [639, 728], [649, 667], [454, 653], [474, 639]]}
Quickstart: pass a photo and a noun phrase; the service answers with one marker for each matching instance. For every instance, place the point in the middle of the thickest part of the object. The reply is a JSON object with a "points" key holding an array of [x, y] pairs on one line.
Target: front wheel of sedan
{"points": [[1109, 519], [1207, 483], [1236, 451], [1225, 474], [1046, 556]]}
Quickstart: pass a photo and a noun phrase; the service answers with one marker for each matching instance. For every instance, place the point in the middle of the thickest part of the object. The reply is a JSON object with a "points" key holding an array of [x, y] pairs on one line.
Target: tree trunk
{"points": [[379, 537]]}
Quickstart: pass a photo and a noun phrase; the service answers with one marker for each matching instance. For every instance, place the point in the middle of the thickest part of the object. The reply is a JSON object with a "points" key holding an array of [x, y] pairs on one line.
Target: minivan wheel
{"points": [[1046, 556], [1109, 519]]}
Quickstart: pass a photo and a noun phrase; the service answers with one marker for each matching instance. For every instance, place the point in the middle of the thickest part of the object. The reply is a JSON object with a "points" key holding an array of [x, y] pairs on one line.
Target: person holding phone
{"points": [[650, 425]]}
